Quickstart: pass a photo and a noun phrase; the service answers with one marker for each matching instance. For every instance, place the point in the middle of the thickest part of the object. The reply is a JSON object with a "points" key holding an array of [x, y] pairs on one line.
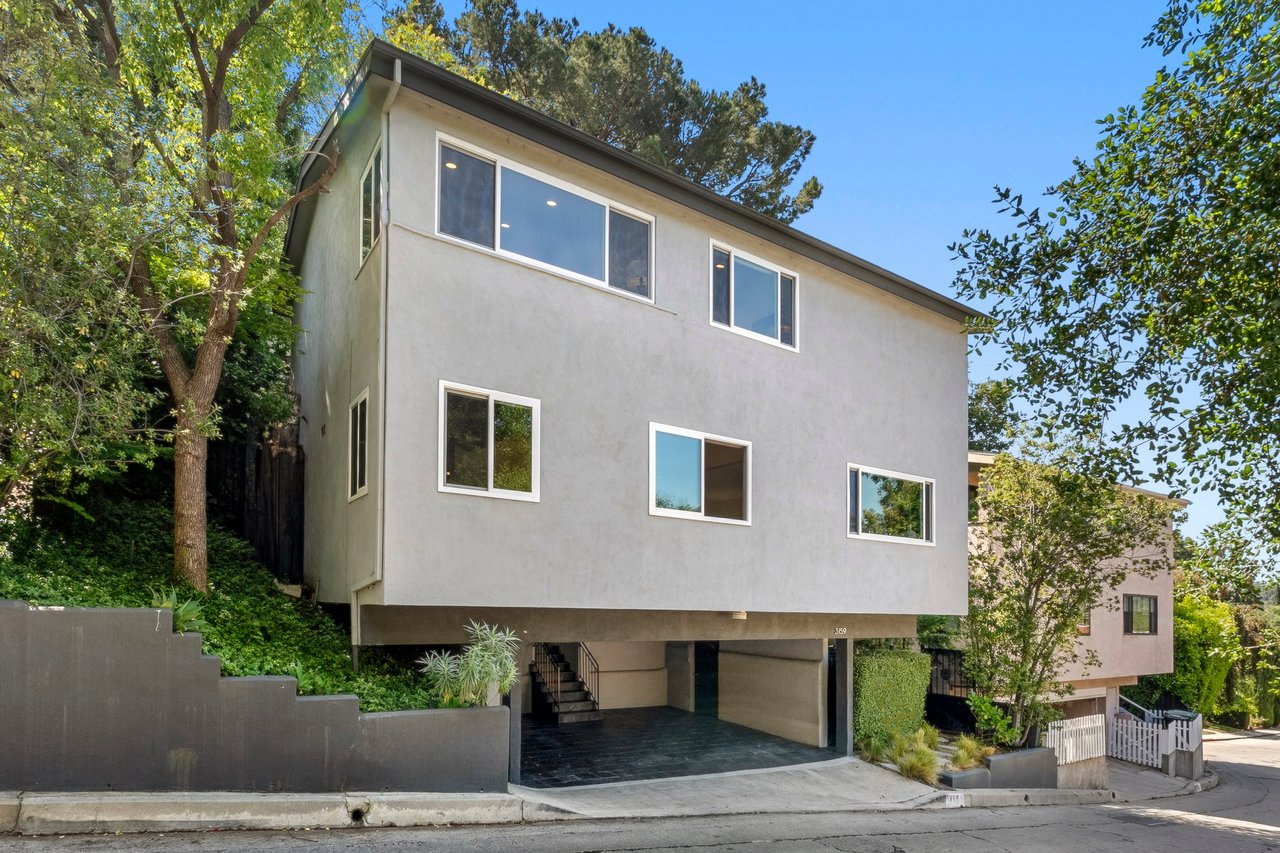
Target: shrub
{"points": [[186, 616], [872, 749], [928, 736], [974, 746], [992, 720], [920, 764], [889, 687], [899, 747]]}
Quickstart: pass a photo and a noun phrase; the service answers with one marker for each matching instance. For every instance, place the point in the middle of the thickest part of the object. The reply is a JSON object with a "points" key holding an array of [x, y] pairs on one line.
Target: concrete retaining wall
{"points": [[1090, 773], [776, 686], [112, 699], [1024, 768]]}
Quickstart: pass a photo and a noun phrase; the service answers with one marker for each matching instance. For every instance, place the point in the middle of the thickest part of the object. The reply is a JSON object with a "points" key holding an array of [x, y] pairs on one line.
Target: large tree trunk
{"points": [[190, 547]]}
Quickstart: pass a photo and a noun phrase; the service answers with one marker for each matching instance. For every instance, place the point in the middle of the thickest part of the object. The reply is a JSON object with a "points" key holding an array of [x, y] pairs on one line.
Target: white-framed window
{"points": [[753, 297], [358, 447], [371, 204], [699, 475], [488, 442], [493, 203], [890, 506]]}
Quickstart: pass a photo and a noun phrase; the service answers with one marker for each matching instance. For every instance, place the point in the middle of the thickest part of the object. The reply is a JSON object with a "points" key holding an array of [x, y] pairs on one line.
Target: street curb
{"points": [[9, 805], [45, 814]]}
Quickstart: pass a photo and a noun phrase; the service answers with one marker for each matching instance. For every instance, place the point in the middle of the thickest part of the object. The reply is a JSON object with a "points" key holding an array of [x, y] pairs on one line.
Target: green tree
{"points": [[992, 420], [1151, 272], [1049, 546], [1205, 644], [620, 87], [215, 94], [73, 403]]}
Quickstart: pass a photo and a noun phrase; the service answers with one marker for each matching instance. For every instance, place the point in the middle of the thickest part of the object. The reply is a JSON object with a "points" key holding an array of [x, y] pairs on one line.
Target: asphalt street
{"points": [[1241, 814]]}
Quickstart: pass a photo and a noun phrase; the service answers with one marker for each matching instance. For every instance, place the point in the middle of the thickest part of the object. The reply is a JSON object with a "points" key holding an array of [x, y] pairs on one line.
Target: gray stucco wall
{"points": [[877, 381], [336, 357], [100, 699]]}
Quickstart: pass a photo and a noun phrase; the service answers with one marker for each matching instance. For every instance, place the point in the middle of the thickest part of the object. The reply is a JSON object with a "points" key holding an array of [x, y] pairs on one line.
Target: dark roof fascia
{"points": [[438, 84]]}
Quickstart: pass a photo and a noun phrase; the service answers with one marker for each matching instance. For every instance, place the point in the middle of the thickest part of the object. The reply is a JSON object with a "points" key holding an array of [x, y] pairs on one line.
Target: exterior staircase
{"points": [[566, 683]]}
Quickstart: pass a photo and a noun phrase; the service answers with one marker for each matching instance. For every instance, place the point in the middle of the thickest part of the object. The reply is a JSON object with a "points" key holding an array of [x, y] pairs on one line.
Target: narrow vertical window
{"points": [[629, 254], [720, 287], [358, 447], [697, 475], [787, 310], [371, 205], [467, 196], [489, 443]]}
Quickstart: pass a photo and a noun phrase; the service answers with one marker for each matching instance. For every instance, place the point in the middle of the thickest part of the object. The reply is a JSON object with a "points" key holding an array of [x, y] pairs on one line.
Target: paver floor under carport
{"points": [[631, 744]]}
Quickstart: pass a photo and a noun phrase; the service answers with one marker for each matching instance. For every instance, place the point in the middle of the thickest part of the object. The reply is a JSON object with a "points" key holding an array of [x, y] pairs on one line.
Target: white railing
{"points": [[1138, 741], [1078, 739]]}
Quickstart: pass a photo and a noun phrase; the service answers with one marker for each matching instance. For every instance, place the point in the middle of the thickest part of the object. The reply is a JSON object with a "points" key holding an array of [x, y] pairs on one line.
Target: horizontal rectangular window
{"points": [[371, 205], [511, 210], [753, 297], [358, 447], [891, 506], [489, 442], [1140, 614], [699, 475]]}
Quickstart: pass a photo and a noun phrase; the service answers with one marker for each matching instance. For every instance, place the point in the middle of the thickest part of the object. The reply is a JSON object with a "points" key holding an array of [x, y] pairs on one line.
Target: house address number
{"points": [[840, 630]]}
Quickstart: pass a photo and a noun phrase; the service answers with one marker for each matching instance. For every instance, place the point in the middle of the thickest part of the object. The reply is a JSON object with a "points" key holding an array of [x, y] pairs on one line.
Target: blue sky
{"points": [[919, 108]]}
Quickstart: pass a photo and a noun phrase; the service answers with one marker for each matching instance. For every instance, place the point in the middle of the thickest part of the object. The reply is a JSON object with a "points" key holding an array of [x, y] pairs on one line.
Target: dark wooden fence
{"points": [[256, 490]]}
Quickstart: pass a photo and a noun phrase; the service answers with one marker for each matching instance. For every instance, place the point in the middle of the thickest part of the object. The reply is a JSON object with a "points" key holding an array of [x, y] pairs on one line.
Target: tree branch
{"points": [[290, 97], [232, 42], [193, 42], [172, 363]]}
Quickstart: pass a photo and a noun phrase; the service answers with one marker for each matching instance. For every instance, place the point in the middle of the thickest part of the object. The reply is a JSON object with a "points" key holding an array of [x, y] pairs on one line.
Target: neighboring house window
{"points": [[492, 203], [358, 447], [888, 505], [371, 205], [488, 443], [699, 475], [753, 297], [1140, 614], [1085, 627]]}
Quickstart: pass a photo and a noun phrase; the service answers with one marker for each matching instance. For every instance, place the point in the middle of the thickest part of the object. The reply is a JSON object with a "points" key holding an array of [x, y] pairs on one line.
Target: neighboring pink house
{"points": [[1132, 639]]}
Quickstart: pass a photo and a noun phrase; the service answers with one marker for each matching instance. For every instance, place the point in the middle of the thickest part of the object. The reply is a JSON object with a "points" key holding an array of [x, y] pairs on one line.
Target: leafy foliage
{"points": [[1151, 272], [73, 403], [992, 720], [620, 87], [464, 679], [124, 553], [889, 687], [1048, 546], [937, 632], [992, 419], [186, 614], [1205, 643]]}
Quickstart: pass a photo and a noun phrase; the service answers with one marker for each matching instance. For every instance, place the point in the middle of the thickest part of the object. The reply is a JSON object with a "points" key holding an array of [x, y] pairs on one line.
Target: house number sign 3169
{"points": [[840, 630]]}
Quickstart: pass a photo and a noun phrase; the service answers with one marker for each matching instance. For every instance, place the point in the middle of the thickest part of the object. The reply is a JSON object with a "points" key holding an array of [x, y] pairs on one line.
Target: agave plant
{"points": [[464, 679]]}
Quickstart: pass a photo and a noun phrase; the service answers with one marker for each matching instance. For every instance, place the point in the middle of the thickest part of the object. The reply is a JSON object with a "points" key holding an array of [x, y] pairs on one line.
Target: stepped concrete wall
{"points": [[112, 699]]}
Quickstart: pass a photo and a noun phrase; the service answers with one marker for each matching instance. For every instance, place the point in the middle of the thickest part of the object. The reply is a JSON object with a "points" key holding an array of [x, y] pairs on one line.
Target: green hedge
{"points": [[888, 692]]}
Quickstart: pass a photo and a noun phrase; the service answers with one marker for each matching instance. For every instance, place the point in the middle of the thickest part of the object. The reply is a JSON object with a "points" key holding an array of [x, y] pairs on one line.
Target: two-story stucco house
{"points": [[1130, 632], [549, 385]]}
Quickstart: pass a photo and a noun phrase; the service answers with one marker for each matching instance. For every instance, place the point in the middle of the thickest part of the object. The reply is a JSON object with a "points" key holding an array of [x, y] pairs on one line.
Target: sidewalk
{"points": [[840, 785]]}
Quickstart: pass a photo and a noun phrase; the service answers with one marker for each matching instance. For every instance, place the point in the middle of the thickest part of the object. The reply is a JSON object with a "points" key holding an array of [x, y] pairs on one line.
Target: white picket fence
{"points": [[1138, 741], [1185, 734], [1077, 739]]}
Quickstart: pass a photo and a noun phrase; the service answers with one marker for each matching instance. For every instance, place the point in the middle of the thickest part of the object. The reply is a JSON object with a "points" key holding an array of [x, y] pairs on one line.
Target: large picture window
{"points": [[358, 447], [698, 475], [488, 442], [371, 205], [1140, 614], [753, 297], [518, 213], [890, 506]]}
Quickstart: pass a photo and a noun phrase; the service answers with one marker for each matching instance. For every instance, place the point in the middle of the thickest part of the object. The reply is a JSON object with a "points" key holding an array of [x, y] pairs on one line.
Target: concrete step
{"points": [[579, 717], [574, 695], [583, 705]]}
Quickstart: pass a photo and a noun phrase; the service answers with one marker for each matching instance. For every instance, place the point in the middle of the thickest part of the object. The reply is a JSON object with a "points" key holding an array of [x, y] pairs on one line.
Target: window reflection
{"points": [[466, 196], [628, 253], [466, 441], [677, 472], [551, 225], [755, 298]]}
